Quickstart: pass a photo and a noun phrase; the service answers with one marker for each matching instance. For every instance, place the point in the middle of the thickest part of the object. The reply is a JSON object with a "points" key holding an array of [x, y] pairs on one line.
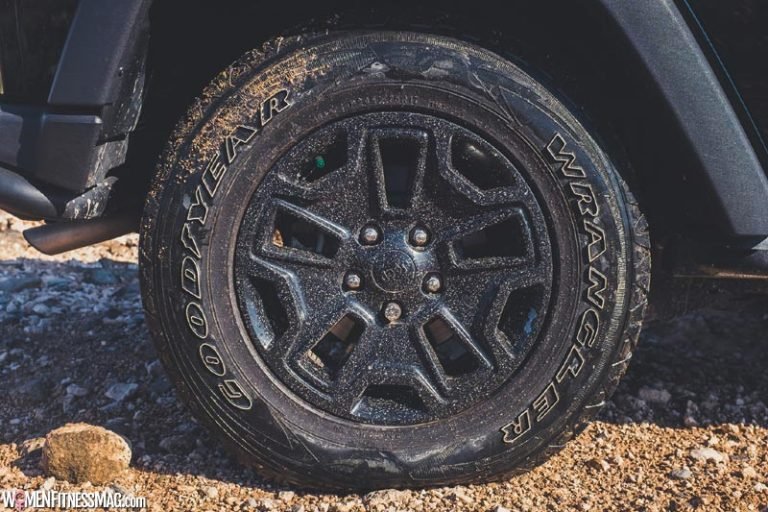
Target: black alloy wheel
{"points": [[393, 268], [390, 259]]}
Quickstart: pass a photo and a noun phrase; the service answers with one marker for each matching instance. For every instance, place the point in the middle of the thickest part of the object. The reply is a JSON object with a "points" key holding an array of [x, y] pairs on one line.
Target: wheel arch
{"points": [[634, 71]]}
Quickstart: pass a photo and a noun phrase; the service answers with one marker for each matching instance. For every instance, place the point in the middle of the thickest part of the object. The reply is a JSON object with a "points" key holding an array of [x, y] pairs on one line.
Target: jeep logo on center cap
{"points": [[393, 271]]}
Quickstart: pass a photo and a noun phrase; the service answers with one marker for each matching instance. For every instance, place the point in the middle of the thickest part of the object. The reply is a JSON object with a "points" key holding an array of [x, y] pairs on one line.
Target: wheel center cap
{"points": [[393, 271]]}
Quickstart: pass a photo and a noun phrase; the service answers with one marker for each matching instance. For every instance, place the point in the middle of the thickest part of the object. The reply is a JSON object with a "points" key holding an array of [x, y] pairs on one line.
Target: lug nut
{"points": [[353, 281], [433, 284], [369, 235], [419, 237], [392, 311]]}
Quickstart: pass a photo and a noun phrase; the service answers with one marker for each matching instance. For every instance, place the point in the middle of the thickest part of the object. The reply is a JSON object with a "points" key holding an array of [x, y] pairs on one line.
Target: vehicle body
{"points": [[673, 90]]}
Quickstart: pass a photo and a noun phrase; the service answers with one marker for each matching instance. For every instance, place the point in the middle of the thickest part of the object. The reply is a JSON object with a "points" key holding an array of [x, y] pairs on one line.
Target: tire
{"points": [[290, 234]]}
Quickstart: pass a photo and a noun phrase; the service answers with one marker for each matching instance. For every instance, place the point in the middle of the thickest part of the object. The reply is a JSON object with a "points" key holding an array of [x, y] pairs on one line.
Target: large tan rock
{"points": [[78, 452]]}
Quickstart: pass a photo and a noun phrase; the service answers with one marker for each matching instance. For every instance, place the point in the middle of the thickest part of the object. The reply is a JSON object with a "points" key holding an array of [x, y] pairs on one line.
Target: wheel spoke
{"points": [[351, 380], [496, 239], [298, 236], [514, 315], [449, 349], [387, 359], [476, 171], [311, 329]]}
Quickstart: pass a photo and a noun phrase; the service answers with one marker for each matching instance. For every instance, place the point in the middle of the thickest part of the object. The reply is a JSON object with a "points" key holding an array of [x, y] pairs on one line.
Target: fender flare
{"points": [[663, 40]]}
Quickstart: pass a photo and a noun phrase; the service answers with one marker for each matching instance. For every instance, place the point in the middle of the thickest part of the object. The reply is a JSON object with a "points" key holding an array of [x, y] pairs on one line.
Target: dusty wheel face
{"points": [[450, 282], [390, 259]]}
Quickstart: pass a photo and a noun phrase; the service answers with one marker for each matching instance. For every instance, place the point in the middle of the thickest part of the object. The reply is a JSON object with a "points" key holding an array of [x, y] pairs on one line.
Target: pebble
{"points": [[41, 309], [177, 444], [77, 391], [212, 493], [34, 391], [704, 454], [100, 276], [154, 368], [344, 506], [121, 391], [267, 504], [31, 446], [17, 284], [386, 497], [599, 464], [681, 474], [749, 472], [654, 396]]}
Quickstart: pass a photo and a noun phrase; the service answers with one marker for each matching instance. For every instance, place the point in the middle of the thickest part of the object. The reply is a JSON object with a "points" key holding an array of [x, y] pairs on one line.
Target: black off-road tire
{"points": [[279, 148]]}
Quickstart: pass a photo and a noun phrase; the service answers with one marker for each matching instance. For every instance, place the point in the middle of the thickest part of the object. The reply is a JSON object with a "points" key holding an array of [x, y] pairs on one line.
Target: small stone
{"points": [[654, 396], [748, 472], [680, 474], [690, 421], [154, 368], [499, 508], [346, 506], [31, 446], [461, 495], [286, 496], [297, 508], [17, 284], [211, 493], [705, 454], [121, 391], [48, 484], [177, 444], [100, 276], [266, 504], [34, 391], [599, 464], [385, 498], [251, 503], [41, 309], [760, 487], [77, 391], [78, 453]]}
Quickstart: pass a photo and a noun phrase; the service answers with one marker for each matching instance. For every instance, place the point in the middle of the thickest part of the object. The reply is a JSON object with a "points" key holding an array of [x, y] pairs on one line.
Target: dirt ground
{"points": [[687, 430]]}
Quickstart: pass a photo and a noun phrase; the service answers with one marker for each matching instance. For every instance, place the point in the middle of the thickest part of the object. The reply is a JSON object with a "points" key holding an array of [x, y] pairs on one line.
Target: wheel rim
{"points": [[394, 268]]}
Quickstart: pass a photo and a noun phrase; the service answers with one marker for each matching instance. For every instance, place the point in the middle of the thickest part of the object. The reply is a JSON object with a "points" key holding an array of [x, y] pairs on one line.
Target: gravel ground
{"points": [[687, 429]]}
